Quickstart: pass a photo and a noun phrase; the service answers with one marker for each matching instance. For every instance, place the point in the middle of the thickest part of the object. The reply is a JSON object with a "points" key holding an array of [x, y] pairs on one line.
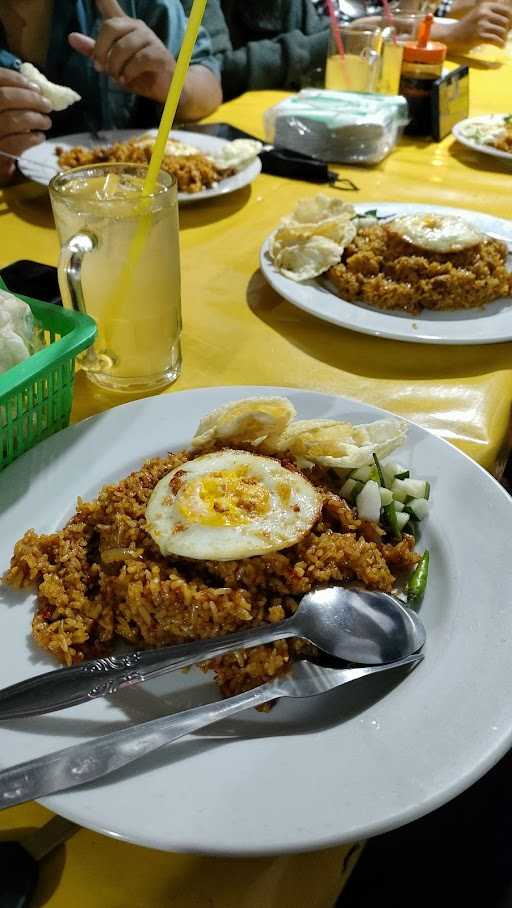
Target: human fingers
{"points": [[491, 38], [502, 9], [496, 19], [145, 61], [82, 43], [109, 8], [111, 31], [124, 50], [16, 121], [16, 145], [10, 78], [23, 99]]}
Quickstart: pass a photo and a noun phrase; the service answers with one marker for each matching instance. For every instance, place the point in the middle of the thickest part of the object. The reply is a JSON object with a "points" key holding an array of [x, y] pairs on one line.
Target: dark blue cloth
{"points": [[105, 105]]}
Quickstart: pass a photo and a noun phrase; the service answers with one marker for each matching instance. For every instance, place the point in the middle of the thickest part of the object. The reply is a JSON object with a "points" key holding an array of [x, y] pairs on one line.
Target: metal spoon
{"points": [[94, 759], [359, 626]]}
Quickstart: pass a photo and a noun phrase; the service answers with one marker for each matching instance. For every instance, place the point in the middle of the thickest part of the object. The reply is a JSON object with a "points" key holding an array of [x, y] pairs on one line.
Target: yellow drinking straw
{"points": [[171, 105], [173, 97]]}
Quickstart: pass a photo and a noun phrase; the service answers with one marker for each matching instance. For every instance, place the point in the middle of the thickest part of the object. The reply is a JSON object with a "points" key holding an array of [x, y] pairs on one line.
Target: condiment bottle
{"points": [[422, 64]]}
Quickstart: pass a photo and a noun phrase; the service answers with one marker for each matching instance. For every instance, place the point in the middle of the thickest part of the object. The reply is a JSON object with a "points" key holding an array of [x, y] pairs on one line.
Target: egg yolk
{"points": [[223, 498]]}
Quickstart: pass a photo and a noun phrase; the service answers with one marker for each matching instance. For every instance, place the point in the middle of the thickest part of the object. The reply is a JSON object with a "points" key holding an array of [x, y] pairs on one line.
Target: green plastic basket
{"points": [[36, 395]]}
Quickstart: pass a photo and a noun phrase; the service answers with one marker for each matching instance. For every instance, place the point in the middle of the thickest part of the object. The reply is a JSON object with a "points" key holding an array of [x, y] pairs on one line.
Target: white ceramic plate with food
{"points": [[490, 324], [459, 131], [311, 773], [40, 162]]}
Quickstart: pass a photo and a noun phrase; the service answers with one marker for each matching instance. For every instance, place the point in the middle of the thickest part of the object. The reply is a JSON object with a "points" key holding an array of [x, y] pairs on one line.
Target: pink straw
{"points": [[387, 15], [335, 29]]}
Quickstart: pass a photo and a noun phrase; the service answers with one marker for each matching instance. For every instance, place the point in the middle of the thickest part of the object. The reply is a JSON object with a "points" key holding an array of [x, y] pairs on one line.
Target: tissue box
{"points": [[338, 126]]}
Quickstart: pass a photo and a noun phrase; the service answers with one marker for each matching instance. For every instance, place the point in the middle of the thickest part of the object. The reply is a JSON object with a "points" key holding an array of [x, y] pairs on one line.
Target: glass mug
{"points": [[391, 55], [120, 263], [358, 70]]}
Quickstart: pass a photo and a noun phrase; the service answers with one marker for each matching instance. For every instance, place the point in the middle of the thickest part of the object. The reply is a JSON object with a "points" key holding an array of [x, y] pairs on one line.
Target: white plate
{"points": [[40, 162], [312, 773], [491, 324], [457, 131]]}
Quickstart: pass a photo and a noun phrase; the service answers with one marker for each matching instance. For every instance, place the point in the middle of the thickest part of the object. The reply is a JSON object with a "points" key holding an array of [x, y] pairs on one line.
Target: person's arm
{"points": [[287, 60], [283, 62], [201, 95], [459, 8], [487, 23], [131, 53]]}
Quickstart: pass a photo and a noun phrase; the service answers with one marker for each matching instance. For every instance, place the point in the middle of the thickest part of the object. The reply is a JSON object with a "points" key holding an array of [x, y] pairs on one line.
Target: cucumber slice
{"points": [[399, 494], [350, 489], [363, 474], [388, 470], [368, 501], [386, 496], [391, 470], [419, 507], [411, 488], [399, 506], [401, 519]]}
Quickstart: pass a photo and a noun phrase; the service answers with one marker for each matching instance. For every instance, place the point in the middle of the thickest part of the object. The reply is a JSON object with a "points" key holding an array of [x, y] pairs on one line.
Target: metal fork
{"points": [[86, 762]]}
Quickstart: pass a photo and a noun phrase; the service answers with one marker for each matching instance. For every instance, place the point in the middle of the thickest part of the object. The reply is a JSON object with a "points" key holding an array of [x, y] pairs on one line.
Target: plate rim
{"points": [[491, 755], [476, 146], [244, 177], [284, 287]]}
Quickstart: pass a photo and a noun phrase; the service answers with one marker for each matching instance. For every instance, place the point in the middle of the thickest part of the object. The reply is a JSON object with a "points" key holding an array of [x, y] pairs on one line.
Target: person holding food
{"points": [[118, 57], [266, 43]]}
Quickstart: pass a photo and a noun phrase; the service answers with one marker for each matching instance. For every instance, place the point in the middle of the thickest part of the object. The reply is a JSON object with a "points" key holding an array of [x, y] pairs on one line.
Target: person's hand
{"points": [[23, 118], [128, 51], [487, 23]]}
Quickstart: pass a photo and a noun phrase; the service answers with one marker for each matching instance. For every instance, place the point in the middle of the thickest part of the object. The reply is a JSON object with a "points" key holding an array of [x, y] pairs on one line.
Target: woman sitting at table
{"points": [[266, 43], [119, 56], [478, 23]]}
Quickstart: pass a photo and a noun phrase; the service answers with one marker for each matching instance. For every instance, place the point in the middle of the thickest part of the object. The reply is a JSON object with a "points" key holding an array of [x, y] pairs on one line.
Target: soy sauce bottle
{"points": [[422, 64]]}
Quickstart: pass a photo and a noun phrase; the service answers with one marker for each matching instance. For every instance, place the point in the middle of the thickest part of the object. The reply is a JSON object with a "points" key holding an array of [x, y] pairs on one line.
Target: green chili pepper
{"points": [[418, 580], [389, 509]]}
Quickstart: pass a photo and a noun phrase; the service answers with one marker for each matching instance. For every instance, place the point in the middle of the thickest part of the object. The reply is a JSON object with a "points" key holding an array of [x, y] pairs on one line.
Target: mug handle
{"points": [[70, 267]]}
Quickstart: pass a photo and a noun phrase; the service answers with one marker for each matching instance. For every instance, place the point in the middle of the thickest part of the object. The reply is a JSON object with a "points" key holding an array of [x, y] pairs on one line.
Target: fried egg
{"points": [[172, 147], [230, 504], [237, 153], [436, 232]]}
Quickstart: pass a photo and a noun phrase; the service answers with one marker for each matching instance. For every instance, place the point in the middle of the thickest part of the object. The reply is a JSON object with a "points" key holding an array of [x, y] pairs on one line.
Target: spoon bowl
{"points": [[362, 626]]}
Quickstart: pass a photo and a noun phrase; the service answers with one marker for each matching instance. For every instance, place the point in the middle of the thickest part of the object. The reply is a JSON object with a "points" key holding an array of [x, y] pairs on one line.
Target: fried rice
{"points": [[385, 271], [192, 172], [102, 579], [504, 143]]}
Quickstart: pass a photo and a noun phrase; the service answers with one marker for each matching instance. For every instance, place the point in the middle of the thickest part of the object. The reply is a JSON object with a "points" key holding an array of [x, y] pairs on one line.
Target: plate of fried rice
{"points": [[201, 164], [490, 134], [91, 567], [418, 273]]}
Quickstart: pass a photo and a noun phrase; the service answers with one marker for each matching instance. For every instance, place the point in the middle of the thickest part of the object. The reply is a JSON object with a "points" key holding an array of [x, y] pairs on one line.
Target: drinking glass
{"points": [[405, 22], [358, 70], [120, 263], [391, 55]]}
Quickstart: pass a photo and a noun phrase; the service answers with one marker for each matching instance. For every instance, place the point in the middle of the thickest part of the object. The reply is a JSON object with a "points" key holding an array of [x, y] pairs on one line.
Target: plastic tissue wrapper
{"points": [[19, 333], [339, 126]]}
